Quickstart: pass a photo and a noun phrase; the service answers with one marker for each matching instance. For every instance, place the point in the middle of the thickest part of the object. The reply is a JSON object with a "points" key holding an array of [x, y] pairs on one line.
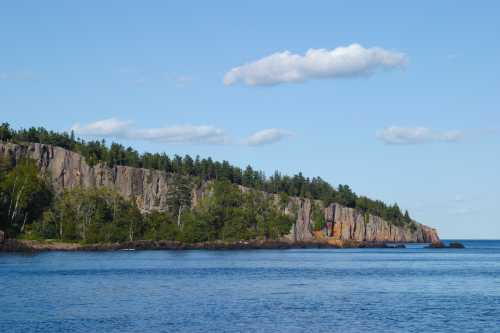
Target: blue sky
{"points": [[411, 115]]}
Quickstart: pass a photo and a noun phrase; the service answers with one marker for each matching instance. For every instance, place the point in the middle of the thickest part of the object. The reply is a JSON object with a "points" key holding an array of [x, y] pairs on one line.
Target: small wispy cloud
{"points": [[453, 56], [416, 135], [342, 62], [202, 134], [179, 134], [267, 136], [183, 80], [139, 81], [22, 76], [463, 211]]}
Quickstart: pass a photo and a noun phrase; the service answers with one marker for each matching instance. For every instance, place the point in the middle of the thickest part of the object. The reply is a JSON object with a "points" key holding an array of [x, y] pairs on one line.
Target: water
{"points": [[349, 290]]}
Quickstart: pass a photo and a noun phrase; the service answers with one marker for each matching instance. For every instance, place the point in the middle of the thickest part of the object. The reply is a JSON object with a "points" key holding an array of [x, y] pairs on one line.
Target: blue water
{"points": [[348, 290]]}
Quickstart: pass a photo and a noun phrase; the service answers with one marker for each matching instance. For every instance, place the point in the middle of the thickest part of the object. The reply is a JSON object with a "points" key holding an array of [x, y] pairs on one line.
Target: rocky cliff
{"points": [[148, 188]]}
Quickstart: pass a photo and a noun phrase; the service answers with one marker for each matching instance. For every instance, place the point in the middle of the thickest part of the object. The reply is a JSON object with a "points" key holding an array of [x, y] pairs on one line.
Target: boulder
{"points": [[442, 245], [436, 245]]}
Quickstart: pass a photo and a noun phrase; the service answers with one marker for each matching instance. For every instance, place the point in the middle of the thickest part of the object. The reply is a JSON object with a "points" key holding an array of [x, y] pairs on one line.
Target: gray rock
{"points": [[437, 245]]}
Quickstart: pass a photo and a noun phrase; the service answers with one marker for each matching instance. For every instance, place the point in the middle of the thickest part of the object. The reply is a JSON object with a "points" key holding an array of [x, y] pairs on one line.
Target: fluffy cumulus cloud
{"points": [[116, 128], [267, 136], [416, 135], [342, 62]]}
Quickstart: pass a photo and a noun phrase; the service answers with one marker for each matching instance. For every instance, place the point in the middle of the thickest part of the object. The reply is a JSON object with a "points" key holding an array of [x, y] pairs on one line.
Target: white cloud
{"points": [[182, 134], [139, 81], [267, 136], [463, 211], [416, 135], [106, 127], [183, 80], [458, 198], [116, 128], [342, 62], [21, 76]]}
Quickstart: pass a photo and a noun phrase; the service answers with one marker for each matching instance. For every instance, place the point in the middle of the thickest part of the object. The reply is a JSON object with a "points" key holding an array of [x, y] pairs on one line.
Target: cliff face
{"points": [[148, 188]]}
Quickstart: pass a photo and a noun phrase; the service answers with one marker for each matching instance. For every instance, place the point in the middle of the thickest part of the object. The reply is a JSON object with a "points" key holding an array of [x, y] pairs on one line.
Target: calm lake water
{"points": [[347, 290]]}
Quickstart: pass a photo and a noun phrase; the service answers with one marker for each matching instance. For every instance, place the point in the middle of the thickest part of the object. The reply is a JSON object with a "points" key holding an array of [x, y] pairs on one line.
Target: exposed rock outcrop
{"points": [[349, 223], [148, 188], [438, 244]]}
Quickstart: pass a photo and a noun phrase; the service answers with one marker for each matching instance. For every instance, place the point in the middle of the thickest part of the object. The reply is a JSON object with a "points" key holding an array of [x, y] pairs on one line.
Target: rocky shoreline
{"points": [[14, 245]]}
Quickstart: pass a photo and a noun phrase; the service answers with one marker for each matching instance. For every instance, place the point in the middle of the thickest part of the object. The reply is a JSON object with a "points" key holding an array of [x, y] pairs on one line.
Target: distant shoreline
{"points": [[15, 245]]}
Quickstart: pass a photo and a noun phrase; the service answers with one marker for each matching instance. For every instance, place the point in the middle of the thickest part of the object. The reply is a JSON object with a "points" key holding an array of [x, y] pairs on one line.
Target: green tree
{"points": [[179, 196], [195, 228], [25, 193], [318, 216], [5, 132], [160, 226], [346, 196], [91, 215]]}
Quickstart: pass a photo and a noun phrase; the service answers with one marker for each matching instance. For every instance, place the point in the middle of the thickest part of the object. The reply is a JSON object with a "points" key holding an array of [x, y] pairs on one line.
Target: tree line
{"points": [[96, 151]]}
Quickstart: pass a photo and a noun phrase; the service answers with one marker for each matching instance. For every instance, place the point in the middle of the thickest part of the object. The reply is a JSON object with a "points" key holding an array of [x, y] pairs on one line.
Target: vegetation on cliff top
{"points": [[207, 169]]}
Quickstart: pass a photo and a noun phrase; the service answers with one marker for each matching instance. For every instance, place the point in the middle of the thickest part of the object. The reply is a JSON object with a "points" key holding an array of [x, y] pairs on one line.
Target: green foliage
{"points": [[284, 200], [24, 194], [91, 216], [160, 226], [194, 229], [274, 225], [179, 196], [318, 216], [366, 218], [345, 196], [230, 214]]}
